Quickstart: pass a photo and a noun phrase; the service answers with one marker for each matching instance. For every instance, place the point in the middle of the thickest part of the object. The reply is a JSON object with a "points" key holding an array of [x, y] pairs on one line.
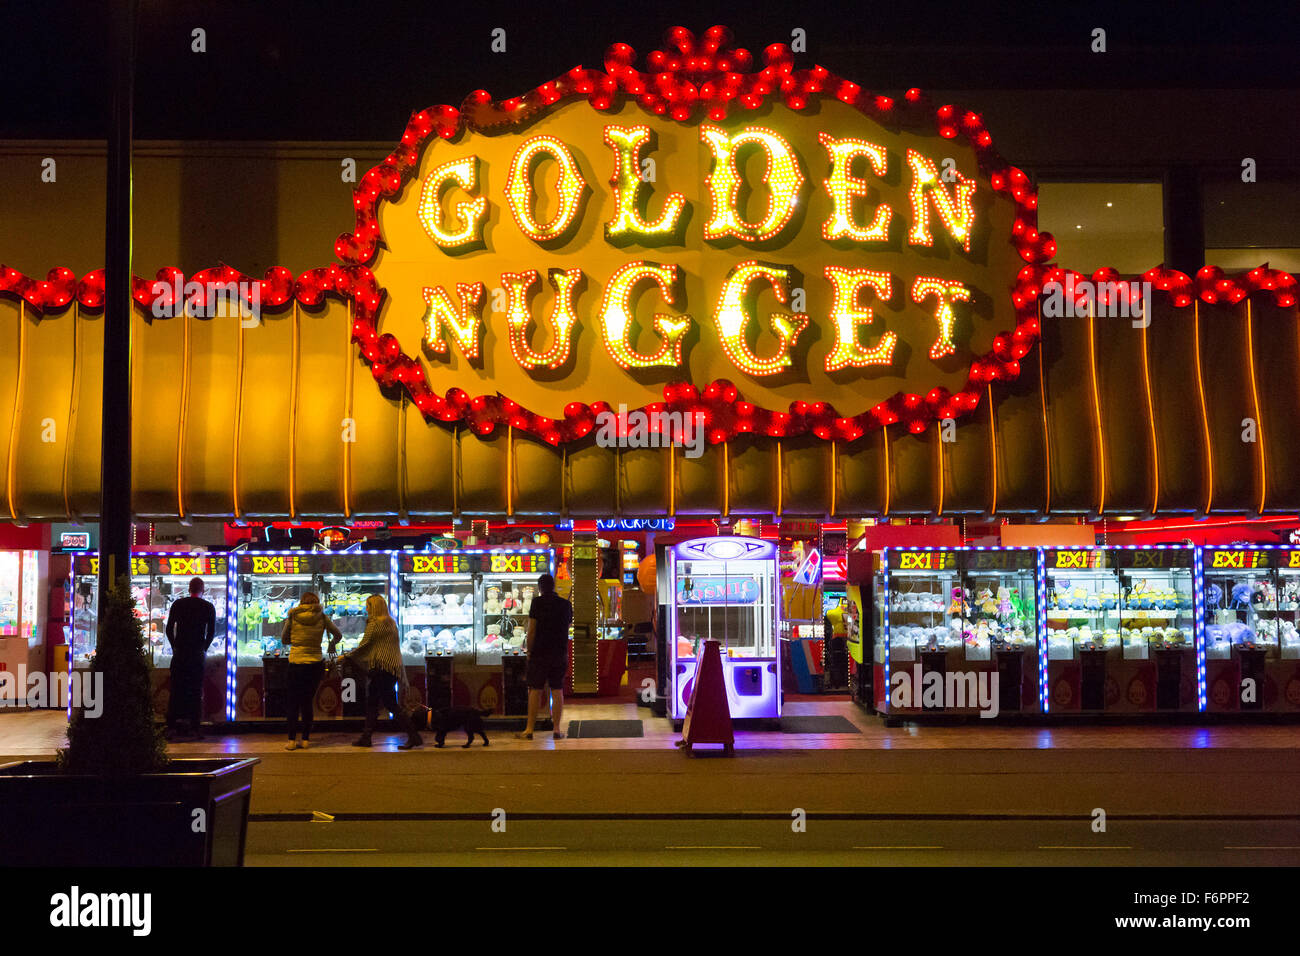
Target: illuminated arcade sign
{"points": [[1238, 558], [922, 560], [192, 564], [74, 540], [90, 565], [716, 590], [1077, 559], [636, 524], [363, 562], [520, 563], [809, 572], [725, 548], [849, 260], [445, 563], [467, 562], [1023, 559], [273, 564], [624, 524], [1138, 558]]}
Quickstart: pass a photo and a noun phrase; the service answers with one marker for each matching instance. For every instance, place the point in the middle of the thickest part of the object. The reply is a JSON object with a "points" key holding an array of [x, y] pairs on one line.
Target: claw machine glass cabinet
{"points": [[169, 581], [1080, 617], [436, 617], [1251, 604], [269, 584], [1001, 587], [507, 585], [1159, 608], [1282, 673], [960, 631], [23, 579], [919, 607], [1121, 629], [464, 615], [158, 579], [85, 608], [725, 588]]}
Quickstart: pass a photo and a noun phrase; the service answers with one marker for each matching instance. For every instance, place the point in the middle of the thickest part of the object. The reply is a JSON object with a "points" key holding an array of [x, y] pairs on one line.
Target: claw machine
{"points": [[169, 580], [85, 608], [725, 588], [507, 584], [435, 614], [464, 614], [269, 584], [23, 576], [960, 632], [158, 578], [1282, 673], [1251, 604], [1121, 629]]}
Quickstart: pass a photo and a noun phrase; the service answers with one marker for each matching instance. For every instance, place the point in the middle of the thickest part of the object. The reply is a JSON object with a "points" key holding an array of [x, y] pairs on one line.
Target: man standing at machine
{"points": [[547, 644], [191, 628]]}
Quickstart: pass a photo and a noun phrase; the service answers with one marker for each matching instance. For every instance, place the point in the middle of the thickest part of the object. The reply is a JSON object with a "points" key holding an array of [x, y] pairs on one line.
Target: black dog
{"points": [[442, 722]]}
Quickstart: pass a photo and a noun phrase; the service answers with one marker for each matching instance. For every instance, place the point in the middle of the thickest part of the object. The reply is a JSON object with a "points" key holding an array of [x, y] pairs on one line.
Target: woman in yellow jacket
{"points": [[379, 657], [304, 628]]}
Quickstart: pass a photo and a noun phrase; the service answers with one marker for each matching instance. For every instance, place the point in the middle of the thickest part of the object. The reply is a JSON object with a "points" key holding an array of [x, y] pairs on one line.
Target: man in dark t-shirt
{"points": [[191, 628], [549, 618]]}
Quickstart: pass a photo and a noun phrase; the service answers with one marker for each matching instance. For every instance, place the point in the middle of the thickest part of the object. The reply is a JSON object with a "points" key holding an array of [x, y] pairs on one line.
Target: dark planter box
{"points": [[48, 818]]}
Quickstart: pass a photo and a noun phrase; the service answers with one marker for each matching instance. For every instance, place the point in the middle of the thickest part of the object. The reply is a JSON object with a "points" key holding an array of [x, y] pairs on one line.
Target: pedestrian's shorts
{"points": [[548, 669]]}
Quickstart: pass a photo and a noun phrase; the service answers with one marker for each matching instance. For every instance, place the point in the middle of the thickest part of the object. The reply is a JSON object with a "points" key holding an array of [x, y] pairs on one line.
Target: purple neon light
{"points": [[1039, 565], [768, 703]]}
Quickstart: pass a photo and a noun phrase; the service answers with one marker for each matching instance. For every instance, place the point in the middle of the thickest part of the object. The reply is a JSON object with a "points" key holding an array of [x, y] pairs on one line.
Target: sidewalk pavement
{"points": [[27, 733], [1152, 770]]}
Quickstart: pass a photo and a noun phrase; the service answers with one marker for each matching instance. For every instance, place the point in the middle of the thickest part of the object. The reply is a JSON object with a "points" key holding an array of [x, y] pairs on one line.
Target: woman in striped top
{"points": [[379, 656]]}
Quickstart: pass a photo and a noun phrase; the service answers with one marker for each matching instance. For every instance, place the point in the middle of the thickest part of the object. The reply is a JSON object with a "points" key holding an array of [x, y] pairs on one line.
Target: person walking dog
{"points": [[379, 658]]}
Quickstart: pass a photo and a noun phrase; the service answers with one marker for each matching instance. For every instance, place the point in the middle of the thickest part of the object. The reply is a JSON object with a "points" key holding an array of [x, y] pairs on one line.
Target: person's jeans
{"points": [[185, 699], [381, 686], [303, 681]]}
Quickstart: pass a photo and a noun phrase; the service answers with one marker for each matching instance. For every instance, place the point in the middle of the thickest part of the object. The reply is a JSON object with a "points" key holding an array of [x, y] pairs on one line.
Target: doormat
{"points": [[583, 729], [816, 724]]}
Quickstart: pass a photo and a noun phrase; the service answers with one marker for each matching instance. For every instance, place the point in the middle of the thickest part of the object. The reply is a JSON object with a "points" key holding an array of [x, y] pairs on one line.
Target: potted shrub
{"points": [[113, 797]]}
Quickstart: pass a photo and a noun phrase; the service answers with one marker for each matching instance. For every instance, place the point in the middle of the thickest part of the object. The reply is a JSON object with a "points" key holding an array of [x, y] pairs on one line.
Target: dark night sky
{"points": [[347, 70]]}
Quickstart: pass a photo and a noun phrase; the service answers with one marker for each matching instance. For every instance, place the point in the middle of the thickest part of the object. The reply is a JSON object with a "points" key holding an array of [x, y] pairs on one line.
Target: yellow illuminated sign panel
{"points": [[819, 256]]}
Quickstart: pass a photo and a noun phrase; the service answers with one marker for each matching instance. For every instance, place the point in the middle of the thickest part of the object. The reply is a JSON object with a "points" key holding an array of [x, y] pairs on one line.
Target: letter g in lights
{"points": [[733, 319], [617, 317]]}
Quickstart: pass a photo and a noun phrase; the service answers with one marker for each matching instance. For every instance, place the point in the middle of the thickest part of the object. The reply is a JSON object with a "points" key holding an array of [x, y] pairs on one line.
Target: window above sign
{"points": [[1104, 224]]}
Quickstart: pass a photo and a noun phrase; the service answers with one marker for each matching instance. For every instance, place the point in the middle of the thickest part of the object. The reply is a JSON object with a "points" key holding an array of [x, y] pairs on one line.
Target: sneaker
{"points": [[292, 745], [362, 741]]}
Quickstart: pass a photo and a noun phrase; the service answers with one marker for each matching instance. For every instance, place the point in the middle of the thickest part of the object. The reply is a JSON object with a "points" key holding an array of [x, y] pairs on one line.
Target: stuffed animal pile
{"points": [[438, 642], [918, 601], [1065, 597], [1142, 596], [434, 607], [978, 620]]}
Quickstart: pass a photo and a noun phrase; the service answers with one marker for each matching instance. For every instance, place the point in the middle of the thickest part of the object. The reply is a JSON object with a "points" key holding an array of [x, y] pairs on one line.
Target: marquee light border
{"points": [[726, 413], [686, 78], [702, 79]]}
